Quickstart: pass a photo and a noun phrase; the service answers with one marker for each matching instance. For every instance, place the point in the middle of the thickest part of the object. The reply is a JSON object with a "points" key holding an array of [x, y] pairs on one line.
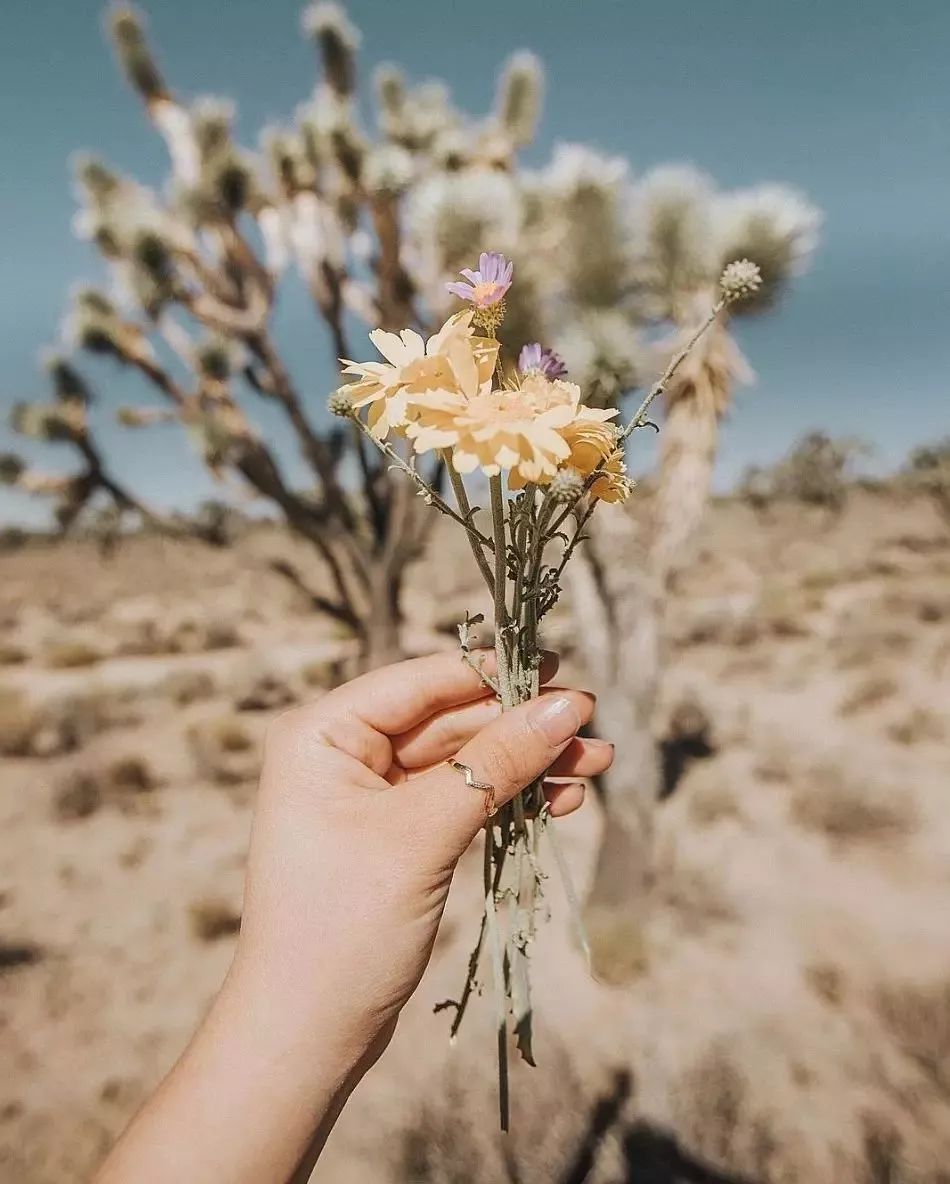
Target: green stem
{"points": [[465, 507], [639, 418], [431, 496], [498, 975], [500, 586]]}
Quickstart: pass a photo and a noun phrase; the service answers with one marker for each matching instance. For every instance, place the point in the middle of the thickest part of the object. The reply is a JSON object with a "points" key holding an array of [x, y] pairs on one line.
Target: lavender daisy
{"points": [[488, 285], [537, 359]]}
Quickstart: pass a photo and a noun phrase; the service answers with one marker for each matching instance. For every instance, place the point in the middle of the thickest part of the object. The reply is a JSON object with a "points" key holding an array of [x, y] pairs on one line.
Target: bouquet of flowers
{"points": [[549, 461]]}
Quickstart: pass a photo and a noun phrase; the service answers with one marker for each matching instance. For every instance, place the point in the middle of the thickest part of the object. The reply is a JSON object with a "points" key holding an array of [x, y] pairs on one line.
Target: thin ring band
{"points": [[484, 786]]}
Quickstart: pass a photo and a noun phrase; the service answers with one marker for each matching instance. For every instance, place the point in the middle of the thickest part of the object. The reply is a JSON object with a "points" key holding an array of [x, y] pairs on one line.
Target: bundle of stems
{"points": [[535, 528]]}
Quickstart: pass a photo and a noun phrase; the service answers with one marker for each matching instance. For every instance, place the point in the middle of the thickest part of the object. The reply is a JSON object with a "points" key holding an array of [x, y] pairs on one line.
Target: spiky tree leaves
{"points": [[375, 225], [127, 28], [520, 97]]}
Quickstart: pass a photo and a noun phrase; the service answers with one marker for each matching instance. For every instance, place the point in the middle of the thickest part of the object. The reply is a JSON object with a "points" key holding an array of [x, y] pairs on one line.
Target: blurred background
{"points": [[190, 543]]}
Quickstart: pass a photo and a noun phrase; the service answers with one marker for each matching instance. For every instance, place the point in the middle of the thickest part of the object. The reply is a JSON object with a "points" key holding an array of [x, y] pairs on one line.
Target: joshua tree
{"points": [[613, 271], [194, 275], [686, 233]]}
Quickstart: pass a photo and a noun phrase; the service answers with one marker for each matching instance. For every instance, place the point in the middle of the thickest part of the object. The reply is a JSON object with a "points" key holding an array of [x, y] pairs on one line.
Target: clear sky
{"points": [[847, 99]]}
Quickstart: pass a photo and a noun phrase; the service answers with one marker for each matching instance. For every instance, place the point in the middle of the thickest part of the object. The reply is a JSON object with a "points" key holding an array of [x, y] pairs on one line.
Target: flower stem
{"points": [[500, 584], [430, 495], [465, 507]]}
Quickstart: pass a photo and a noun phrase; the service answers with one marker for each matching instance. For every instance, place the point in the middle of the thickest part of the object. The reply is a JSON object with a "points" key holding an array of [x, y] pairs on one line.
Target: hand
{"points": [[358, 828]]}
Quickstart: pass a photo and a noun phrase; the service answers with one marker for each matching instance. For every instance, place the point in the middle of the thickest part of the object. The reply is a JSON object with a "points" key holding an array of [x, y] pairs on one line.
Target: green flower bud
{"points": [[567, 485]]}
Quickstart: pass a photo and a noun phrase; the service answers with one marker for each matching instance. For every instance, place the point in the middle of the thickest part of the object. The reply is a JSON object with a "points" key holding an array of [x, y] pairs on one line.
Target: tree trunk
{"points": [[380, 636], [617, 612], [620, 613], [689, 441]]}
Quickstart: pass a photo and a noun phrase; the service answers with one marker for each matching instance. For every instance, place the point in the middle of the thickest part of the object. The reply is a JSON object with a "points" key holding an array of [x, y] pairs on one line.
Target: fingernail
{"points": [[598, 743], [556, 719]]}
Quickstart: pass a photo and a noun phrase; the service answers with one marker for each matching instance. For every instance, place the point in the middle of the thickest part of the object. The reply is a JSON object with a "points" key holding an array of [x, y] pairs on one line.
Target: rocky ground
{"points": [[789, 1014]]}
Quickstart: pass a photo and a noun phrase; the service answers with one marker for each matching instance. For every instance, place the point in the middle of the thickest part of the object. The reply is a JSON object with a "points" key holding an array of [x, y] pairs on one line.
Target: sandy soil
{"points": [[789, 1018]]}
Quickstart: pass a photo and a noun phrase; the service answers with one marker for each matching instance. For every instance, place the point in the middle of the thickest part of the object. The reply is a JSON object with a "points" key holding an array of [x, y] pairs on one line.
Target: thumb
{"points": [[508, 754]]}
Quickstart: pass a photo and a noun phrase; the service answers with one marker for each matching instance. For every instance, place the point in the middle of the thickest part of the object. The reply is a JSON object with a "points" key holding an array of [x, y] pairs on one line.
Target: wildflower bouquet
{"points": [[549, 461]]}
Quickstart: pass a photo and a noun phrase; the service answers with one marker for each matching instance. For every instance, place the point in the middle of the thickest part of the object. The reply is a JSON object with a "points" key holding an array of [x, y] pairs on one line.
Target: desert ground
{"points": [[788, 1018]]}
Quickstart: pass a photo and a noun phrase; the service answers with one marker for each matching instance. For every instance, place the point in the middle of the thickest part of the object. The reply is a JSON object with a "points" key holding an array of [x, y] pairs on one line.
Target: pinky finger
{"points": [[564, 797]]}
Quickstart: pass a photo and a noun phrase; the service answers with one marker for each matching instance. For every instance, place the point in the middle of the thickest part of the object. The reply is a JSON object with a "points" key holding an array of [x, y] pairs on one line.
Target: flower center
{"points": [[485, 293]]}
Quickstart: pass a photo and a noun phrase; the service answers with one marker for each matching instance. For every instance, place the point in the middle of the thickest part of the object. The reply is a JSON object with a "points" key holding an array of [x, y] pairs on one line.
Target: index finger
{"points": [[395, 698]]}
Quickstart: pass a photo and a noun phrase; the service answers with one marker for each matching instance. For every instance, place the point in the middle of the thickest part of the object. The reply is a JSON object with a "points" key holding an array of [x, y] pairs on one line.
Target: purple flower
{"points": [[489, 284], [538, 360]]}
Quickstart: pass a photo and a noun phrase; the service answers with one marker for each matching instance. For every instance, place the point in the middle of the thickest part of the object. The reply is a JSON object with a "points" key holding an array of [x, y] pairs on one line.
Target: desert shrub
{"points": [[150, 637], [83, 792], [101, 709], [917, 1015], [213, 918], [185, 687], [722, 1122], [263, 690], [11, 654], [79, 795], [323, 674], [56, 726], [710, 1104], [928, 469], [131, 774], [13, 538], [549, 1140], [780, 612], [223, 750], [14, 954], [826, 981], [916, 726], [19, 723], [816, 471], [864, 643], [191, 637], [713, 803], [844, 809], [869, 692], [71, 654]]}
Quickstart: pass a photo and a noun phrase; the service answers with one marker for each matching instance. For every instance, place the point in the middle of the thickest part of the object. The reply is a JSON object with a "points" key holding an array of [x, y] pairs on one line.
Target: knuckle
{"points": [[286, 730], [504, 766]]}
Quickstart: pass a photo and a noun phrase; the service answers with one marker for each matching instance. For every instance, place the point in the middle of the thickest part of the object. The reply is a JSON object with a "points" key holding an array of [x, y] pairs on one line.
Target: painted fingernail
{"points": [[556, 719]]}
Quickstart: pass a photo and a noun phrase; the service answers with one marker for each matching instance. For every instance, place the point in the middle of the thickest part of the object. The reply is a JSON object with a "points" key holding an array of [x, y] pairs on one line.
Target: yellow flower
{"points": [[614, 485], [454, 360], [495, 430], [591, 439], [593, 444]]}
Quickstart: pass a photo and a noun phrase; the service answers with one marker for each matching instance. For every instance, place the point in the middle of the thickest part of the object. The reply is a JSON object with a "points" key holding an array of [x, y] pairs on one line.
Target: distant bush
{"points": [[12, 538], [71, 654], [845, 810], [918, 1017], [185, 687], [928, 469], [213, 919], [224, 751], [817, 471]]}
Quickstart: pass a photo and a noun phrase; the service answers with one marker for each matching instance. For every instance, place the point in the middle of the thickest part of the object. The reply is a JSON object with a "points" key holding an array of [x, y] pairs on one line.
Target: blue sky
{"points": [[846, 99]]}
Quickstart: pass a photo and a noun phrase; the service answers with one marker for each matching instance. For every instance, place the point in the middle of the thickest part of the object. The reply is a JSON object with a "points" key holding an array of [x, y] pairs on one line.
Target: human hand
{"points": [[358, 828], [360, 824]]}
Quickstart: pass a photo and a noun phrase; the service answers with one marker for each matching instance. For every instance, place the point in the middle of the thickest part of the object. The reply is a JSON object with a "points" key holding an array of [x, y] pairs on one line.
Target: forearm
{"points": [[249, 1101]]}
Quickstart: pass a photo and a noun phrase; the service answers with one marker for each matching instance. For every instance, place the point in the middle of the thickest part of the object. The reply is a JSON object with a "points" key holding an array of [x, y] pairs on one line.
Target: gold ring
{"points": [[485, 787]]}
